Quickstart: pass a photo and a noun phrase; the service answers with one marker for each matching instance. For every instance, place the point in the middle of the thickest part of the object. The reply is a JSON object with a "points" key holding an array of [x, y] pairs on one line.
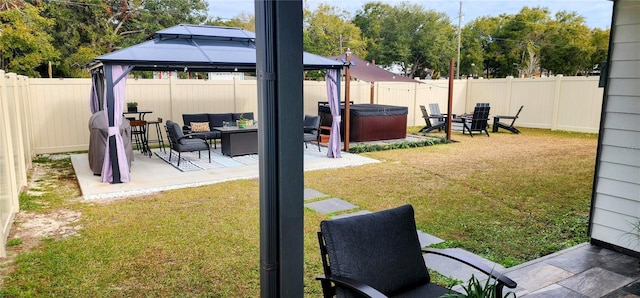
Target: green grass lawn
{"points": [[510, 198]]}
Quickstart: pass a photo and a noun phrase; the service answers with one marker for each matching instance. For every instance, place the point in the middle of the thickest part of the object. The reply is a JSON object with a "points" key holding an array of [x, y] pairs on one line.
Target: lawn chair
{"points": [[497, 124], [434, 121], [311, 130], [379, 254], [180, 142], [477, 122]]}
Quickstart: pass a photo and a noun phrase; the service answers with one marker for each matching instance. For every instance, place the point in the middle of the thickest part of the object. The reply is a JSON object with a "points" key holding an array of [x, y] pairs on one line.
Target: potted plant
{"points": [[242, 122], [476, 289], [132, 107]]}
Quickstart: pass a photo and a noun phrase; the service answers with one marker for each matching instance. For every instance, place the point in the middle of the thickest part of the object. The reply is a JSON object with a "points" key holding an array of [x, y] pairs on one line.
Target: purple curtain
{"points": [[118, 77], [97, 91], [333, 89]]}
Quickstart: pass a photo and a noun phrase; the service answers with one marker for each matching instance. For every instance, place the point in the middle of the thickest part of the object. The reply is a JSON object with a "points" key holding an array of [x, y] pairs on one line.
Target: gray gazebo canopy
{"points": [[200, 48], [186, 48]]}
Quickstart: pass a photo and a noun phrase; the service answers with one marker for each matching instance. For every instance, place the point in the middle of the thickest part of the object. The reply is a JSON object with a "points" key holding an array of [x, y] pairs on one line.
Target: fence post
{"points": [[556, 102], [509, 88], [6, 152], [18, 112], [172, 97]]}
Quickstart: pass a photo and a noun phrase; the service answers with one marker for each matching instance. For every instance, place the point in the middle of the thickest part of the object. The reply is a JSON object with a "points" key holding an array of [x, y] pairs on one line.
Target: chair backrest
{"points": [[516, 116], [482, 104], [311, 124], [480, 118], [425, 115], [380, 249], [174, 132], [435, 111]]}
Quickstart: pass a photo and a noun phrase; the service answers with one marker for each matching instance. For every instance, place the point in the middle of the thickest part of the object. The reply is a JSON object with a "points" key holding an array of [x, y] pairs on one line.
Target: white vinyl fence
{"points": [[51, 115]]}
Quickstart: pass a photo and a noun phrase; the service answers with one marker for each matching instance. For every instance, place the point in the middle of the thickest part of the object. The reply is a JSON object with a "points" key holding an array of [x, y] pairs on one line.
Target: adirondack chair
{"points": [[477, 122], [497, 124], [434, 121]]}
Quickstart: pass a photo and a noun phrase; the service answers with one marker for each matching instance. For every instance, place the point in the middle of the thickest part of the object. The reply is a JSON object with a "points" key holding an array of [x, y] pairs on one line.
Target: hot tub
{"points": [[370, 122]]}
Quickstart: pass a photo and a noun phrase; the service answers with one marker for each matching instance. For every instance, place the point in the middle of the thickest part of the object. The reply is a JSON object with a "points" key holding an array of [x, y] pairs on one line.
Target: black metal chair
{"points": [[179, 142], [311, 130], [478, 121], [379, 255], [497, 124]]}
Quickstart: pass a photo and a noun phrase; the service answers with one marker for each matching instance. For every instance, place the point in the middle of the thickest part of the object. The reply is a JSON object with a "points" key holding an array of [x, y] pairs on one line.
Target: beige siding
{"points": [[617, 191]]}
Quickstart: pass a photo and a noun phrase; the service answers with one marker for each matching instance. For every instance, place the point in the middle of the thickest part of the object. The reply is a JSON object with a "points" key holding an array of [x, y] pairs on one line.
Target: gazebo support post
{"points": [[280, 76]]}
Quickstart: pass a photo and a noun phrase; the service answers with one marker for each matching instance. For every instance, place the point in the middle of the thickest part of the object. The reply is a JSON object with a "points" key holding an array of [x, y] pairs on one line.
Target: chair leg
{"points": [[178, 158]]}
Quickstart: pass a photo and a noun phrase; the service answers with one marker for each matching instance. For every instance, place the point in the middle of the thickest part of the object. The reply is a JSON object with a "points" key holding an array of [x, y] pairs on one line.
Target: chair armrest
{"points": [[192, 135], [352, 284], [473, 263], [310, 128], [505, 117]]}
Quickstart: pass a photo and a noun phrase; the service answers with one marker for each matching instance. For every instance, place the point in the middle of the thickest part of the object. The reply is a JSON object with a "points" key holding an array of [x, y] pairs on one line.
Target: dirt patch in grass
{"points": [[50, 187]]}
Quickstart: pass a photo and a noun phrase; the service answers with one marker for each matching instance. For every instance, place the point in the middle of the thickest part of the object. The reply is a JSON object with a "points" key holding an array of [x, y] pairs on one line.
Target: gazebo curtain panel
{"points": [[333, 95], [115, 76]]}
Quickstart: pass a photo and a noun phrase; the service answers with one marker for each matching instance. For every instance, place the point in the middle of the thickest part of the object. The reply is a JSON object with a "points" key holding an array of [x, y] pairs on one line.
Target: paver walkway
{"points": [[582, 271]]}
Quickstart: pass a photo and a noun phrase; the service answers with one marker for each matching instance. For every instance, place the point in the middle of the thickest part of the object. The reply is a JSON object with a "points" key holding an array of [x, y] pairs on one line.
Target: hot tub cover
{"points": [[365, 110]]}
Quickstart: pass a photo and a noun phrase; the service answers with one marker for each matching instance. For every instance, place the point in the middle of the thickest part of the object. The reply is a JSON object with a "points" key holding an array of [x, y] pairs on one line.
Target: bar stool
{"points": [[139, 135], [160, 139]]}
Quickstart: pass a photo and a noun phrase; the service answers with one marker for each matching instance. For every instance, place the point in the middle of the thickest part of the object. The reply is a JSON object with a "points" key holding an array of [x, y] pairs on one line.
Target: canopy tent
{"points": [[369, 72], [200, 48], [182, 47]]}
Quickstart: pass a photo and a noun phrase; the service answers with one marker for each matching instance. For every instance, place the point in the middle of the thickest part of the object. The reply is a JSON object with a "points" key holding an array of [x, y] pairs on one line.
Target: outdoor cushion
{"points": [[199, 126], [188, 118], [385, 256], [215, 120]]}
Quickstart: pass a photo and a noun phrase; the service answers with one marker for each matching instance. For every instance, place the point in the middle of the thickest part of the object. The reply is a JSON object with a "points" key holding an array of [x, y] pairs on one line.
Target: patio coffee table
{"points": [[238, 141]]}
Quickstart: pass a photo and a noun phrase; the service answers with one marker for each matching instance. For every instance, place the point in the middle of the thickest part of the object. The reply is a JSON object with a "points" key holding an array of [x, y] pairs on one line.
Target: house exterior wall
{"points": [[616, 194]]}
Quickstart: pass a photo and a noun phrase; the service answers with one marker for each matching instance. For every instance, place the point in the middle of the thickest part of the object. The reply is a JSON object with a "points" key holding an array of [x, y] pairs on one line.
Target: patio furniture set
{"points": [[478, 121], [237, 132]]}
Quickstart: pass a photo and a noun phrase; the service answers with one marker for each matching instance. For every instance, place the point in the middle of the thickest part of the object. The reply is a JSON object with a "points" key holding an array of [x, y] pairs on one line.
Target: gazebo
{"points": [[180, 48]]}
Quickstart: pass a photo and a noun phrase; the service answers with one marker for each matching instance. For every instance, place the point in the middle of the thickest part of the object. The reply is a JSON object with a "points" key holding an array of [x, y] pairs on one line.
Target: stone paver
{"points": [[310, 194], [330, 206], [428, 239], [457, 270], [596, 282]]}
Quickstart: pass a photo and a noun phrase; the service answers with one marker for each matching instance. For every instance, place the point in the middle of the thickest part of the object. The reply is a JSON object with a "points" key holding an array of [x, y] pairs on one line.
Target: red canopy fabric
{"points": [[369, 72]]}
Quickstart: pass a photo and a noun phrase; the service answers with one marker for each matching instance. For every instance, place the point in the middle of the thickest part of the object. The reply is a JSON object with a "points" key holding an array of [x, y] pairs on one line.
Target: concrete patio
{"points": [[152, 174]]}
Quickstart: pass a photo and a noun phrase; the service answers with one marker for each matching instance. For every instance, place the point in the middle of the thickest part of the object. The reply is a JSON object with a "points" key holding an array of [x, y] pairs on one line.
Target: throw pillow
{"points": [[199, 126]]}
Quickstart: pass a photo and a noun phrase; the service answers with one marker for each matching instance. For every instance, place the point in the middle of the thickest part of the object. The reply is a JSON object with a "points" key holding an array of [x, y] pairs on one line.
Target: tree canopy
{"points": [[66, 35]]}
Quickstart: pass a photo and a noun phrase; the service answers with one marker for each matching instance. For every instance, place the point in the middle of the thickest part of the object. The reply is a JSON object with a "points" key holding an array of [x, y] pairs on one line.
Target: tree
{"points": [[600, 43], [407, 35], [85, 30], [24, 43], [243, 20], [327, 31], [567, 45]]}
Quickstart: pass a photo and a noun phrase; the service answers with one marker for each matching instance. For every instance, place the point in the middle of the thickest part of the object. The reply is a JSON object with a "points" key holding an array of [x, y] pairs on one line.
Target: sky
{"points": [[597, 13]]}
